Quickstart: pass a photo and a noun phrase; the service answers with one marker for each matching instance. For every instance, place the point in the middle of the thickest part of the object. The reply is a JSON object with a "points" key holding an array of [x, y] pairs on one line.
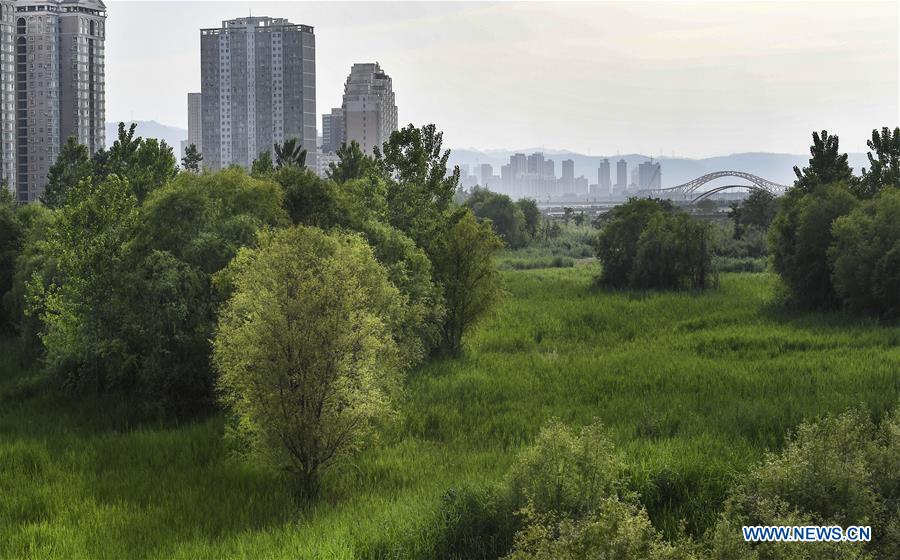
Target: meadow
{"points": [[694, 388]]}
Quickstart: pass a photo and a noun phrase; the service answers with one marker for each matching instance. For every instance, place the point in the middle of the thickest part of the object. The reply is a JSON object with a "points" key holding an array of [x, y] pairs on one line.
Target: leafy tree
{"points": [[192, 158], [758, 211], [419, 189], [532, 215], [618, 240], [799, 240], [262, 166], [579, 219], [826, 166], [147, 164], [506, 218], [290, 154], [11, 238], [865, 255], [353, 164], [884, 170], [304, 349], [707, 205], [72, 166], [464, 267], [567, 215]]}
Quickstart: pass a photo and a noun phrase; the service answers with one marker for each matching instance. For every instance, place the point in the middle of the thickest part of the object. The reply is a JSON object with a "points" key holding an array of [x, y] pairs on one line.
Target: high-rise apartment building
{"points": [[59, 84], [369, 106], [195, 121], [258, 86], [603, 177], [333, 130], [649, 175], [7, 94], [621, 176], [568, 170]]}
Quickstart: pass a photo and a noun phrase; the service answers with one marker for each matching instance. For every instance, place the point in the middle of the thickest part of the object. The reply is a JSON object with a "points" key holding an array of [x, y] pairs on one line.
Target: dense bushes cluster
{"points": [[568, 497], [296, 301], [835, 240], [646, 244], [517, 223]]}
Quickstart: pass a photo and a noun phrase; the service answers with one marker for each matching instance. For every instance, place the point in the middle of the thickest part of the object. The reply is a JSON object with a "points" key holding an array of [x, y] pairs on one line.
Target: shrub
{"points": [[507, 218], [865, 256], [841, 470], [305, 350], [799, 240]]}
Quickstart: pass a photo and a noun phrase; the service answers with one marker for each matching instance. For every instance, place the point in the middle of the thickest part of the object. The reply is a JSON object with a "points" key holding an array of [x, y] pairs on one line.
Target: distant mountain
{"points": [[675, 171], [150, 129]]}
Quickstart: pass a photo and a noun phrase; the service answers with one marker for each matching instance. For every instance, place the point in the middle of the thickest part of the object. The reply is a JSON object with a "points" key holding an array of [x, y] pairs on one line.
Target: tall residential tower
{"points": [[7, 94], [258, 85], [195, 120], [370, 110], [59, 84]]}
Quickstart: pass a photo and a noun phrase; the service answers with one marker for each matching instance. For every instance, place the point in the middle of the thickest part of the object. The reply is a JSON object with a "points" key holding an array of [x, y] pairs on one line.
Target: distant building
{"points": [[568, 170], [621, 176], [258, 85], [195, 121], [59, 84], [549, 169], [486, 174], [603, 178], [649, 175], [369, 106], [333, 130], [324, 161], [7, 94], [536, 163]]}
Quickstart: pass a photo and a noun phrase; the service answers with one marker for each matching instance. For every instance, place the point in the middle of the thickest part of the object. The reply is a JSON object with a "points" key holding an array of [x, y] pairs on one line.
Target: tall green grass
{"points": [[694, 387]]}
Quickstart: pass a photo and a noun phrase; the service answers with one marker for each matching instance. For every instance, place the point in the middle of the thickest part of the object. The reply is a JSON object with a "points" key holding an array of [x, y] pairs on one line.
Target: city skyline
{"points": [[687, 80]]}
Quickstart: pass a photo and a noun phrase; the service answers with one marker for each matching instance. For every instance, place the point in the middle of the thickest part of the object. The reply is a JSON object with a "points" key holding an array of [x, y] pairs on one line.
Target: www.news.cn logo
{"points": [[806, 533]]}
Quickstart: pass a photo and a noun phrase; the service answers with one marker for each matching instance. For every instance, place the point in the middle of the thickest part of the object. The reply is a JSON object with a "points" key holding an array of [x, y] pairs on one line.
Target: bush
{"points": [[305, 350], [841, 470], [645, 245], [507, 218], [865, 256], [799, 240]]}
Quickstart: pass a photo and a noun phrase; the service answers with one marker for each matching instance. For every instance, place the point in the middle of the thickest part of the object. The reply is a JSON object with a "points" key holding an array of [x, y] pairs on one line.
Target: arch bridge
{"points": [[688, 191]]}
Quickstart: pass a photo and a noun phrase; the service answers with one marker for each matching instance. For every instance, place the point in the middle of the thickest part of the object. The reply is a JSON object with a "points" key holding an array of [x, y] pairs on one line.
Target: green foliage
{"points": [[645, 245], [464, 267], [884, 170], [353, 164], [192, 158], [290, 154], [262, 166], [840, 470], [757, 212], [532, 215], [826, 166], [147, 164], [11, 234], [204, 219], [73, 164], [865, 256], [305, 351], [800, 237], [506, 218], [419, 189]]}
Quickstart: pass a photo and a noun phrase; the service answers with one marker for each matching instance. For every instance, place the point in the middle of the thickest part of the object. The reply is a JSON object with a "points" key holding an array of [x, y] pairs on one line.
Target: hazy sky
{"points": [[690, 79]]}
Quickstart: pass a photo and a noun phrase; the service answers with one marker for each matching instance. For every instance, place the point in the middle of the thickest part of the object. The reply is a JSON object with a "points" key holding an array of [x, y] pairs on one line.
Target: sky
{"points": [[686, 79]]}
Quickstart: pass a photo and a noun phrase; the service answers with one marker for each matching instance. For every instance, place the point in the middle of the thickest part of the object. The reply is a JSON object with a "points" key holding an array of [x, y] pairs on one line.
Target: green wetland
{"points": [[694, 389]]}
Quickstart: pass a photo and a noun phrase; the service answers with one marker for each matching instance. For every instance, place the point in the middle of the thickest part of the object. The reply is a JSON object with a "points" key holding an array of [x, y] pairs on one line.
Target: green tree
{"points": [[353, 163], [419, 188], [262, 166], [826, 166], [72, 166], [147, 164], [192, 158], [11, 241], [799, 240], [464, 267], [306, 358], [865, 255], [617, 243], [532, 215], [884, 165], [290, 154], [757, 211], [506, 218]]}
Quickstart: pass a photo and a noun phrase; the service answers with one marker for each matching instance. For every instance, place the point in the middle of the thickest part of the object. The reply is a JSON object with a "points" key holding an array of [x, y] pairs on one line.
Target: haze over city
{"points": [[690, 80]]}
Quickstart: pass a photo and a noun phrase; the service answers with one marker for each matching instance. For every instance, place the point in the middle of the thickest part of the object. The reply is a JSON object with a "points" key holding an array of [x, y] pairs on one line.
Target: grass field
{"points": [[694, 388]]}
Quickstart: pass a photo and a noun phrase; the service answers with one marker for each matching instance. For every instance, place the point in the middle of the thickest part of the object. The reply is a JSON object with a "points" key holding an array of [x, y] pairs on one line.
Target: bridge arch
{"points": [[688, 189]]}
